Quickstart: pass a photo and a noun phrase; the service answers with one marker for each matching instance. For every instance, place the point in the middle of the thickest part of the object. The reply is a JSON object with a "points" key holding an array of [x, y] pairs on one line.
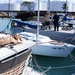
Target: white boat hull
{"points": [[14, 65], [49, 50], [13, 57], [45, 48]]}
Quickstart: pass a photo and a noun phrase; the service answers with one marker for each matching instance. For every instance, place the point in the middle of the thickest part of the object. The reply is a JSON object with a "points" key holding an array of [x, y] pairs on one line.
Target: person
{"points": [[56, 22], [9, 39], [46, 19]]}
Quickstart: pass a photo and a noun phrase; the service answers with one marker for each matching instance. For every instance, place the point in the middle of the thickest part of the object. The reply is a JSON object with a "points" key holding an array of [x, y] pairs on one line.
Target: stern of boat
{"points": [[15, 64]]}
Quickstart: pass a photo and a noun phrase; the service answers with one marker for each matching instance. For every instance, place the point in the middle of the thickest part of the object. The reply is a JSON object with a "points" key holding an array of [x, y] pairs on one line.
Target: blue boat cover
{"points": [[24, 24], [65, 18]]}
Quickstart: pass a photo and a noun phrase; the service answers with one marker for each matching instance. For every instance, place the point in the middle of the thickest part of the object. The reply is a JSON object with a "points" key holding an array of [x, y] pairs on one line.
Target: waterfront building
{"points": [[54, 6]]}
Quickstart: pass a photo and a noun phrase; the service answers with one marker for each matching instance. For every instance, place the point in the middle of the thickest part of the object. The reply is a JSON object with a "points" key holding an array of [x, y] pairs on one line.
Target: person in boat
{"points": [[10, 39], [46, 20]]}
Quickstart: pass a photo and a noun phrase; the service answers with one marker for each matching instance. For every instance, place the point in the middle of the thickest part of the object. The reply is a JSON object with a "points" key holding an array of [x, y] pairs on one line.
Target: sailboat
{"points": [[44, 45]]}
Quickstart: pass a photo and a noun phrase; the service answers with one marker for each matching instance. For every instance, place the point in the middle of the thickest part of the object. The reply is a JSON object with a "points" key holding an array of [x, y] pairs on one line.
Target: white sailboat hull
{"points": [[46, 47], [50, 50]]}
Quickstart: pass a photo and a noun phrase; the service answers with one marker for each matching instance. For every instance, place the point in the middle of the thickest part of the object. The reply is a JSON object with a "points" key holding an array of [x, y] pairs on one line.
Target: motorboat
{"points": [[14, 57], [68, 21], [44, 45]]}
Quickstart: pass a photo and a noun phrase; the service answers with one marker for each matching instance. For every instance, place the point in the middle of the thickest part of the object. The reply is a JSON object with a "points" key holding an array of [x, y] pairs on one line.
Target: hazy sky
{"points": [[6, 1]]}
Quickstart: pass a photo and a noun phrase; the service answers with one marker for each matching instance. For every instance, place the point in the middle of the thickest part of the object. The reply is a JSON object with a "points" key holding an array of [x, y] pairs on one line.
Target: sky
{"points": [[6, 1]]}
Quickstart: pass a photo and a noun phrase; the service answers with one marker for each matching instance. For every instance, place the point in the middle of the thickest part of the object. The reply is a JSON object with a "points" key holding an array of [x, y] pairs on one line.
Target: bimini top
{"points": [[24, 24]]}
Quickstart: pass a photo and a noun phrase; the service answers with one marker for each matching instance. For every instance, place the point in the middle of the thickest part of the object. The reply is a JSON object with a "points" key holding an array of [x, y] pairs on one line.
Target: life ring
{"points": [[12, 24]]}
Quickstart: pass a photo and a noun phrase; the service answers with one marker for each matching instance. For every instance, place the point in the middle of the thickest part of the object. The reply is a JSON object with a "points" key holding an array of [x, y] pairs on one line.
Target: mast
{"points": [[38, 22], [9, 7], [48, 6], [66, 6]]}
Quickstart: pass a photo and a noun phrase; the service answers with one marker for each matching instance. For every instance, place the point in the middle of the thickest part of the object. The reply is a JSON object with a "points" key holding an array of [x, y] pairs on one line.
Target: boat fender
{"points": [[12, 24]]}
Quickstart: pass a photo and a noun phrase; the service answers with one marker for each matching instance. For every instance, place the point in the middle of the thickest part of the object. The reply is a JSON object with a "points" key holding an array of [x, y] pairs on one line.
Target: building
{"points": [[54, 6], [57, 6], [10, 7]]}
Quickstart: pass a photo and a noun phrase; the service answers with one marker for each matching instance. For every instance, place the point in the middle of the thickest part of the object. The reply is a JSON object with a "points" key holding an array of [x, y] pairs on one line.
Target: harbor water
{"points": [[55, 65], [47, 65]]}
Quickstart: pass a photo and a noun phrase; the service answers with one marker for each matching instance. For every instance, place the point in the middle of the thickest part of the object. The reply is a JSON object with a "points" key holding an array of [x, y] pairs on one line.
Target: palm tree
{"points": [[65, 7]]}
